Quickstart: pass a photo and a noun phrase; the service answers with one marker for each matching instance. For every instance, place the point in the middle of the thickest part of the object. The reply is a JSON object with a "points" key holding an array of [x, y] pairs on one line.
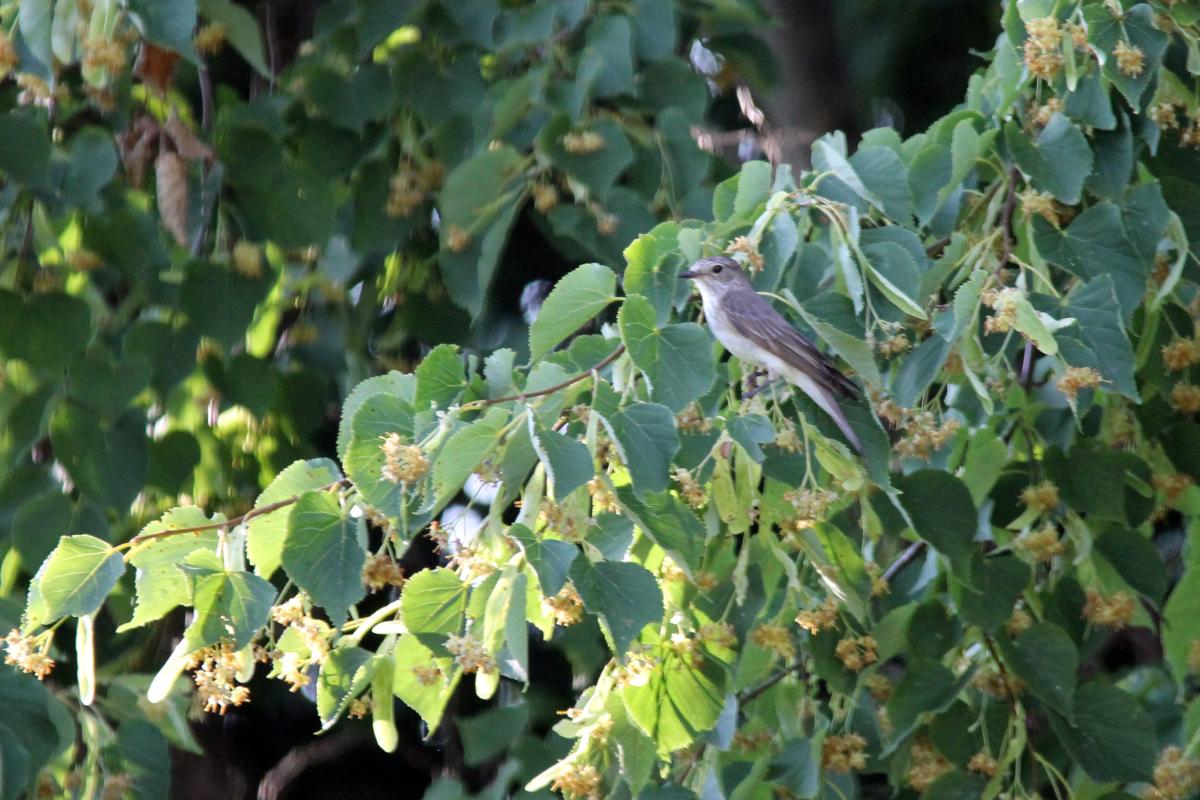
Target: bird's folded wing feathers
{"points": [[754, 318]]}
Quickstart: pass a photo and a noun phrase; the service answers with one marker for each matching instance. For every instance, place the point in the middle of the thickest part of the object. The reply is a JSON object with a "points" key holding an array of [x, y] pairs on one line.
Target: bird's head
{"points": [[716, 272]]}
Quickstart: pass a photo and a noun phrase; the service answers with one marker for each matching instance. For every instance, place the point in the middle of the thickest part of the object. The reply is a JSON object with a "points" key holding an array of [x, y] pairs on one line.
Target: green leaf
{"points": [[463, 453], [986, 456], [551, 559], [34, 20], [107, 460], [161, 586], [598, 169], [1046, 659], [92, 164], [991, 590], [1135, 27], [434, 602], [1109, 734], [568, 461], [941, 511], [926, 686], [1181, 622], [679, 702], [229, 606], [266, 532], [1098, 339], [440, 378], [427, 697], [577, 297], [885, 178], [1136, 560], [832, 317], [893, 271], [379, 416], [241, 31], [753, 187], [827, 157], [668, 522], [647, 440], [344, 674], [1091, 479], [324, 552], [1059, 160], [74, 579], [677, 360], [652, 266], [956, 786], [625, 596], [610, 39], [168, 23], [490, 733]]}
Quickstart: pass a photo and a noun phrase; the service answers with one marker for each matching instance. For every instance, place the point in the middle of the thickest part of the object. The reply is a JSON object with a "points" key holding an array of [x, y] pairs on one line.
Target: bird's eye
{"points": [[717, 269]]}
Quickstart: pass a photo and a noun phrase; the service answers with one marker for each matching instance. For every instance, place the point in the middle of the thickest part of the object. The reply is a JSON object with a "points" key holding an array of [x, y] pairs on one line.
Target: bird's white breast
{"points": [[726, 333]]}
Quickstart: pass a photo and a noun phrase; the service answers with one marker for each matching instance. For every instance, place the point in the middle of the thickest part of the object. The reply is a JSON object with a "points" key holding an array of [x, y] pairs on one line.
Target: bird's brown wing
{"points": [[754, 318]]}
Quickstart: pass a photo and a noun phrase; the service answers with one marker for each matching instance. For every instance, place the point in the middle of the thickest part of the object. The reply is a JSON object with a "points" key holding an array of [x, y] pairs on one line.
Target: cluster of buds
{"points": [[1035, 203], [566, 606], [922, 435], [786, 438], [291, 611], [403, 463], [380, 571], [819, 619], [776, 638], [216, 670], [428, 674], [545, 196], [720, 634], [749, 249], [1043, 55], [1111, 612], [410, 186], [210, 38], [1166, 116], [1042, 497], [8, 55], [358, 708], [578, 782], [857, 652], [247, 260], [844, 753], [1176, 776], [893, 345], [1076, 379], [689, 489], [1003, 303], [1172, 485], [1185, 398], [470, 654], [638, 665], [983, 764], [563, 519], [1181, 354], [604, 501], [104, 53], [686, 649], [606, 221], [1018, 623], [880, 687], [472, 562], [29, 653], [1042, 544], [1131, 59], [1040, 115], [580, 143], [809, 506], [692, 419], [926, 764], [999, 684]]}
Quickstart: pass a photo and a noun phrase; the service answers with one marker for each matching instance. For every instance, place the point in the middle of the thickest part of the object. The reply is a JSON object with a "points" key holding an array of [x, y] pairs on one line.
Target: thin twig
{"points": [[915, 549], [1006, 217], [750, 694], [233, 522], [611, 357]]}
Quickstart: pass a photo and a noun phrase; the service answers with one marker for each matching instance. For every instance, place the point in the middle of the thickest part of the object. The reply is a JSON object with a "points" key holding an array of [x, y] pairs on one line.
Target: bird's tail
{"points": [[828, 402]]}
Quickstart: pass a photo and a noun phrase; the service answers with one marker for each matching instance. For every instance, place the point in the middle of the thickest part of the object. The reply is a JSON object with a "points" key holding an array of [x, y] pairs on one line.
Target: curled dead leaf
{"points": [[170, 174], [186, 143], [136, 146], [156, 66]]}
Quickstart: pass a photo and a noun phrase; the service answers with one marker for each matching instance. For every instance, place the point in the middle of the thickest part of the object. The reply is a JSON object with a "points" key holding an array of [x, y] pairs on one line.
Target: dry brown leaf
{"points": [[156, 66], [170, 174], [186, 143], [136, 146]]}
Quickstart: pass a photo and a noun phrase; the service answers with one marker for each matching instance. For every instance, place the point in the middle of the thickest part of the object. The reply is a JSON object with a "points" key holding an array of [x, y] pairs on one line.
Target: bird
{"points": [[750, 328]]}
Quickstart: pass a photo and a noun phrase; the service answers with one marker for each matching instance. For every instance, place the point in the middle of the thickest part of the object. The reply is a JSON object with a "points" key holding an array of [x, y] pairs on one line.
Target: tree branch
{"points": [[234, 521], [751, 694], [611, 357], [903, 560]]}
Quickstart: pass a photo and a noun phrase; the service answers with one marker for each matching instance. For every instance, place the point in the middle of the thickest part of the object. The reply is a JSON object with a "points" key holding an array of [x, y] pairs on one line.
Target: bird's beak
{"points": [[687, 273]]}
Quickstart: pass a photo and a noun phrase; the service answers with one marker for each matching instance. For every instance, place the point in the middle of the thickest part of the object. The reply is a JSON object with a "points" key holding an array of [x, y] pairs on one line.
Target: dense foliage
{"points": [[999, 597]]}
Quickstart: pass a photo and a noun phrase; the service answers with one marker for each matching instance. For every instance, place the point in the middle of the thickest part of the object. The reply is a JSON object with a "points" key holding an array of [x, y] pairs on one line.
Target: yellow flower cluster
{"points": [[604, 501], [1043, 544], [215, 676], [893, 345], [8, 55], [1042, 497], [381, 571], [409, 187], [458, 239], [1181, 354], [857, 652], [428, 674], [983, 764], [247, 260], [583, 142], [776, 638], [1171, 485], [880, 687], [998, 684], [718, 633], [104, 53], [403, 463], [470, 654], [1003, 303], [1018, 623], [1185, 398], [743, 245], [1176, 776], [819, 619], [29, 653], [1112, 612], [578, 782], [1040, 204], [692, 492], [1042, 114], [545, 196], [637, 667], [1042, 54], [566, 606], [563, 520], [1075, 379], [1131, 60], [692, 419], [210, 38], [809, 506], [844, 753], [926, 766]]}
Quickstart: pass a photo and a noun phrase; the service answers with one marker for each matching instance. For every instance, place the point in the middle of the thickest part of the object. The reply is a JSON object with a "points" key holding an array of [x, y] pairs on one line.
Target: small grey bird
{"points": [[752, 330]]}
